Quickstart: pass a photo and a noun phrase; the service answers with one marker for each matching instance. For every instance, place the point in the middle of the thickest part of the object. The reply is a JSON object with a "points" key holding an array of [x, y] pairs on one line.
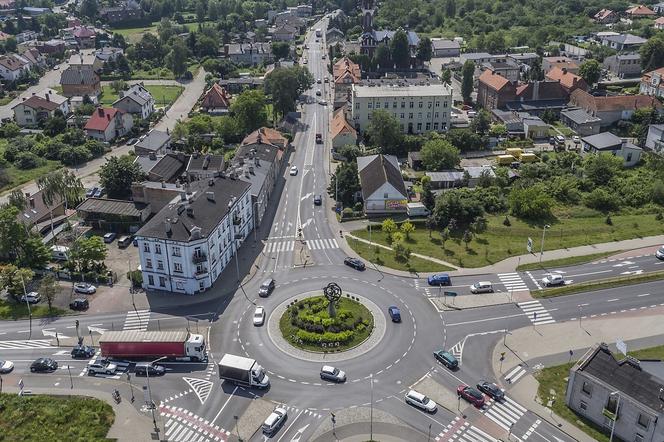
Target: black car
{"points": [[318, 200], [43, 364], [354, 263], [79, 304], [491, 389], [82, 352]]}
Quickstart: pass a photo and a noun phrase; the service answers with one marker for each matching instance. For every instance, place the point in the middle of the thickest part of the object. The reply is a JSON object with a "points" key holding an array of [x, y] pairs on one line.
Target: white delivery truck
{"points": [[243, 371], [416, 209]]}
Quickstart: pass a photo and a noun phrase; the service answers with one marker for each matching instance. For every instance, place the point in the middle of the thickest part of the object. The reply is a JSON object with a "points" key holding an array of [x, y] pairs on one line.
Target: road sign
{"points": [[450, 294], [621, 346], [529, 245]]}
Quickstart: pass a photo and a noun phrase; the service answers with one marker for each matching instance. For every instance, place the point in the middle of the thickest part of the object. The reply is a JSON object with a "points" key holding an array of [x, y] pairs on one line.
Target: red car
{"points": [[471, 394]]}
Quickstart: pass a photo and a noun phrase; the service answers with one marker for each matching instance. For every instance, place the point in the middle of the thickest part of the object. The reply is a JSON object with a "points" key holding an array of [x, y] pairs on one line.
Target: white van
{"points": [[59, 253], [420, 401]]}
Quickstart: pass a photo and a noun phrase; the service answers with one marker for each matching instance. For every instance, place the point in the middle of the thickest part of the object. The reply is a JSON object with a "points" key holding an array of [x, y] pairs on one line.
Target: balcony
{"points": [[198, 257], [237, 220]]}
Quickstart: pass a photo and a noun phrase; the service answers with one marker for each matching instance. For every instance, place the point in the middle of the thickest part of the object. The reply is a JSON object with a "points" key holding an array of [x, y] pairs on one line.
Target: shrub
{"points": [[26, 160], [325, 338], [506, 222]]}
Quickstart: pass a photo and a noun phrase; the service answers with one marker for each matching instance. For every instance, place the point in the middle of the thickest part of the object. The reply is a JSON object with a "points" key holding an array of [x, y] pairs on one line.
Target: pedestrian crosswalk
{"points": [[537, 314], [312, 244], [512, 281], [295, 410], [183, 425], [460, 430], [122, 368], [25, 345], [515, 374], [318, 244], [280, 246], [505, 413], [419, 286], [137, 320]]}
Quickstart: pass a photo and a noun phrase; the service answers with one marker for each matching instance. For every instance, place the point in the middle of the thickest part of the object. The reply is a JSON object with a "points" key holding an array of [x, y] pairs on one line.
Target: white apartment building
{"points": [[185, 247], [418, 108]]}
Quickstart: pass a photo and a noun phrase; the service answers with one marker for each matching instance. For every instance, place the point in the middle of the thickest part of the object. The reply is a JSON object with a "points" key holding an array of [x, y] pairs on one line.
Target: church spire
{"points": [[368, 11]]}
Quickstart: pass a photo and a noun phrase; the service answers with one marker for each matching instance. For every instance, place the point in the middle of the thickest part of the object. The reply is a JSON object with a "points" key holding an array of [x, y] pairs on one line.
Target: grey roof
{"points": [[626, 39], [604, 140], [413, 39], [473, 56], [376, 170], [579, 116], [524, 56], [147, 162], [630, 56], [71, 76], [476, 171], [136, 93], [168, 167], [205, 162], [626, 376], [112, 207], [448, 176], [415, 155], [444, 43], [155, 140], [207, 212]]}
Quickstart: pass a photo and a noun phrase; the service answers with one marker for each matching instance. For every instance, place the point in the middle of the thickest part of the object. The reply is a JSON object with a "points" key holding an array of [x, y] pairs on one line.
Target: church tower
{"points": [[368, 11]]}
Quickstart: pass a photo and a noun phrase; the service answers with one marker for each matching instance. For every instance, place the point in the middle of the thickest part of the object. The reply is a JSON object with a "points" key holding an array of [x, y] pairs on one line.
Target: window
{"points": [[369, 117], [629, 157], [176, 251], [435, 126], [162, 281], [420, 104], [370, 105], [403, 105], [412, 104], [444, 114], [160, 265], [357, 106], [419, 127], [150, 280], [444, 103], [429, 105], [201, 285], [148, 263], [401, 125], [179, 286], [587, 388], [402, 114], [437, 104], [644, 421], [428, 115], [146, 247], [435, 115], [385, 195], [583, 406], [157, 249], [200, 269], [638, 437], [419, 115], [177, 267], [612, 404], [428, 126], [394, 105], [410, 116]]}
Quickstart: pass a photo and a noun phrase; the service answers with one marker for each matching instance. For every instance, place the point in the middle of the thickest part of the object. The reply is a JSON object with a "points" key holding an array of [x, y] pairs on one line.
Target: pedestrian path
{"points": [[183, 425], [460, 430], [319, 244], [512, 281], [505, 413], [137, 320], [537, 314], [25, 345], [515, 374], [289, 245]]}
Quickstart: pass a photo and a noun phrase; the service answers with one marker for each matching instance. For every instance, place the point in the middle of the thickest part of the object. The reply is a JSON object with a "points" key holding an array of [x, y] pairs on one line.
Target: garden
{"points": [[307, 324]]}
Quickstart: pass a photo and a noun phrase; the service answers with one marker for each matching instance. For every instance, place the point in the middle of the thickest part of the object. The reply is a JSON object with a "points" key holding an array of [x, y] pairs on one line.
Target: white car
{"points": [[84, 287], [319, 81], [293, 170], [259, 316], [274, 421], [659, 254], [32, 298], [332, 374], [553, 279], [576, 139], [101, 366], [322, 102], [420, 401], [6, 366]]}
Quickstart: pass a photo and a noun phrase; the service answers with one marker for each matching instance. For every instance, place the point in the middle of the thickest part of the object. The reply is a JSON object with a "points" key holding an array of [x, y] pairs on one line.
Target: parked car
{"points": [[576, 139], [91, 192], [332, 374], [109, 237], [293, 170], [659, 254], [553, 279], [492, 390], [470, 394], [101, 366], [419, 400], [124, 241], [149, 369], [439, 279], [132, 141], [32, 298], [481, 287], [100, 192], [319, 81], [446, 358], [318, 93], [82, 351], [43, 365], [6, 366], [274, 421], [395, 313], [354, 263], [266, 288], [79, 304], [318, 200], [259, 316], [327, 80], [84, 287]]}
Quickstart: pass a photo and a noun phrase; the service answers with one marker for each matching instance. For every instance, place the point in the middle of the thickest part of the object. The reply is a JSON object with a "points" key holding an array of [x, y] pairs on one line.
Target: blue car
{"points": [[395, 313], [439, 279]]}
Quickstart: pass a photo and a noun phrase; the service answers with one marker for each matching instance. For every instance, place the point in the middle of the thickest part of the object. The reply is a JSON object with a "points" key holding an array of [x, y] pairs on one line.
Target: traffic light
{"points": [[77, 323]]}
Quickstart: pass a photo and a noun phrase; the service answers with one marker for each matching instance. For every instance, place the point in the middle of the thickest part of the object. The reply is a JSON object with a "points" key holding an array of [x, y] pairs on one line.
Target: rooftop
{"points": [[101, 118], [209, 162], [155, 140], [440, 90], [376, 170], [601, 141], [72, 76], [112, 207], [579, 116], [494, 80]]}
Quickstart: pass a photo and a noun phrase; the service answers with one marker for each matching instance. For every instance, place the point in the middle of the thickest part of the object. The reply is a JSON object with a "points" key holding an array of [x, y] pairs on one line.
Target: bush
{"points": [[27, 160], [136, 277], [506, 222], [325, 338], [74, 155], [602, 200]]}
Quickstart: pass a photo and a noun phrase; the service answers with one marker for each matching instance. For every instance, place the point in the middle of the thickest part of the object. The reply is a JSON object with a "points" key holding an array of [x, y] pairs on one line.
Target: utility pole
{"points": [[546, 226], [25, 295], [371, 410]]}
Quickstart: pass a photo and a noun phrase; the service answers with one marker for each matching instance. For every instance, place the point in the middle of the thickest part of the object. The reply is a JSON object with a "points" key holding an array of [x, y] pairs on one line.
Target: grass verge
{"points": [[163, 94], [43, 417], [16, 310], [599, 284], [386, 258], [563, 262]]}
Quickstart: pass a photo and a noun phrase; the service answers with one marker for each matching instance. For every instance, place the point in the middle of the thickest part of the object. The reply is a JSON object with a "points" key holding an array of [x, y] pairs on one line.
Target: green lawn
{"points": [[562, 262], [387, 258], [42, 417], [562, 128], [20, 176], [500, 242], [133, 35], [5, 100], [167, 93], [160, 73], [18, 310]]}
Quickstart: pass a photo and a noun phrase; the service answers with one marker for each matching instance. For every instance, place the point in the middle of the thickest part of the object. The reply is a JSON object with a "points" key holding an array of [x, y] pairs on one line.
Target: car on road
{"points": [[471, 394], [32, 298], [100, 192], [319, 81], [419, 400], [6, 366], [43, 365], [79, 304], [293, 170], [576, 139], [132, 141], [553, 280], [439, 279], [322, 102], [101, 366], [492, 390], [82, 352], [446, 358], [274, 421], [395, 313], [84, 287], [259, 316], [318, 200], [110, 237], [659, 254], [481, 287], [149, 369], [56, 67], [91, 192], [333, 374], [318, 93], [266, 288], [354, 263], [304, 61], [323, 56], [327, 80]]}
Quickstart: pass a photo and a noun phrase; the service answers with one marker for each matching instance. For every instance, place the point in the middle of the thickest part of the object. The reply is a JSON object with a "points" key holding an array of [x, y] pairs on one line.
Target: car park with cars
{"points": [[110, 237], [79, 304]]}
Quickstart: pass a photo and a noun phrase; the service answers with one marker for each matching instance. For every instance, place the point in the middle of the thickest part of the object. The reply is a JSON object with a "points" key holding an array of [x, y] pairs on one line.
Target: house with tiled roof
{"points": [[611, 109], [80, 82], [85, 37], [34, 110], [383, 188], [345, 73], [136, 100], [107, 124], [494, 90], [216, 100], [659, 24], [652, 84], [342, 132], [569, 81], [606, 16], [285, 33], [85, 61], [623, 42], [12, 67], [640, 11], [570, 64]]}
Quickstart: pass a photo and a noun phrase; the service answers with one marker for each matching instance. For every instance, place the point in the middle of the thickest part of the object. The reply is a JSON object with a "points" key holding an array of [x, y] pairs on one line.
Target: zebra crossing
{"points": [[280, 246], [123, 367], [426, 288], [183, 425], [515, 374], [312, 244], [295, 410], [512, 281], [537, 314], [460, 430], [137, 320], [505, 413], [319, 244], [25, 345]]}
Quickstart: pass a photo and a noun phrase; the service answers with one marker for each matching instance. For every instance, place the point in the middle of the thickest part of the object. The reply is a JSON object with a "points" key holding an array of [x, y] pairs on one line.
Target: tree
{"points": [[450, 8], [548, 116], [11, 45], [118, 85], [466, 139], [439, 154], [427, 198], [590, 71], [17, 243], [118, 174], [652, 53], [388, 227], [536, 73], [384, 132], [344, 184], [61, 184], [55, 125], [446, 77], [444, 236], [382, 57], [280, 50], [533, 203], [48, 288], [481, 123], [177, 58], [461, 205], [407, 228], [399, 49], [468, 73], [249, 110], [601, 168], [14, 279], [467, 237], [602, 200], [89, 8], [424, 49], [85, 252], [285, 85]]}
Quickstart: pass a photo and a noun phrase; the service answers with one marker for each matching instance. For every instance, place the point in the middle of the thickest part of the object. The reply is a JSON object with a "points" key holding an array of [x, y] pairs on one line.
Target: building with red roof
{"points": [[494, 90], [216, 100], [569, 81], [108, 123], [640, 11]]}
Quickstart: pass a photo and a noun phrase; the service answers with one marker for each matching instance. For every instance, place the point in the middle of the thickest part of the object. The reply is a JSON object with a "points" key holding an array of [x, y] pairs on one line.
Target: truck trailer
{"points": [[243, 371], [135, 344]]}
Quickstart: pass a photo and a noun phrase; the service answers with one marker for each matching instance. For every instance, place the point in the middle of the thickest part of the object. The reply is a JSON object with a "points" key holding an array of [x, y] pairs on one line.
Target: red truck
{"points": [[135, 344]]}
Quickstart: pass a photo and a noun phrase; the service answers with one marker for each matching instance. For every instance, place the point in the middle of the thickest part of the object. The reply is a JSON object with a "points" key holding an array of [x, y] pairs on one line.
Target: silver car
{"points": [[332, 374], [84, 287]]}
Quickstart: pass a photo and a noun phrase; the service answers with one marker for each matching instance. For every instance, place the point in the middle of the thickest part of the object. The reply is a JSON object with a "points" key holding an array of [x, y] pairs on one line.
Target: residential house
{"points": [[447, 179], [415, 160], [623, 42], [123, 12], [606, 142], [51, 47], [334, 36], [580, 121], [508, 69], [33, 58], [36, 109], [249, 54], [658, 8], [524, 59], [494, 90], [111, 215], [639, 11], [13, 68], [606, 16], [442, 47], [383, 188], [290, 20], [570, 64], [216, 100], [77, 82], [370, 40], [155, 142], [157, 194], [108, 53], [85, 37], [237, 85], [537, 97], [655, 138], [341, 131], [569, 81], [534, 128], [659, 23], [346, 73], [477, 57], [42, 217], [204, 166], [623, 65], [511, 120], [73, 21], [107, 124], [87, 61], [136, 100], [651, 83], [168, 168], [285, 33], [622, 397], [611, 109], [24, 36]]}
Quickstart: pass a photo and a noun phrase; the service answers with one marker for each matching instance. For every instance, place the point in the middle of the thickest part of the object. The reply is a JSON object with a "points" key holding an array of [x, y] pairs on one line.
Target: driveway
{"points": [[51, 79]]}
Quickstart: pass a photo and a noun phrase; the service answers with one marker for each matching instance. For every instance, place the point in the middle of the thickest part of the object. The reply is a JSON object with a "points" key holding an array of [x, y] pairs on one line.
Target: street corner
{"points": [[440, 394], [352, 422]]}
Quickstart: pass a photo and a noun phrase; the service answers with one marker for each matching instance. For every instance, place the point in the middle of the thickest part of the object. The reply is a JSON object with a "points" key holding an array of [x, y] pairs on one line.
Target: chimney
{"points": [[108, 117], [167, 226], [32, 203], [47, 96], [100, 111], [163, 184], [564, 71]]}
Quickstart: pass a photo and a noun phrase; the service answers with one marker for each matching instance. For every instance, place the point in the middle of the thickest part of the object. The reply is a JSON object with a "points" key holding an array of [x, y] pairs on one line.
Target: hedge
{"points": [[325, 338]]}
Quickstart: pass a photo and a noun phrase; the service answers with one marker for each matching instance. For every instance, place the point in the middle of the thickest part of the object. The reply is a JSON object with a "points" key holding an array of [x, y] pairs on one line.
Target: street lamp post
{"points": [[25, 295], [237, 430], [615, 417], [371, 409], [546, 226], [152, 406], [71, 380]]}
